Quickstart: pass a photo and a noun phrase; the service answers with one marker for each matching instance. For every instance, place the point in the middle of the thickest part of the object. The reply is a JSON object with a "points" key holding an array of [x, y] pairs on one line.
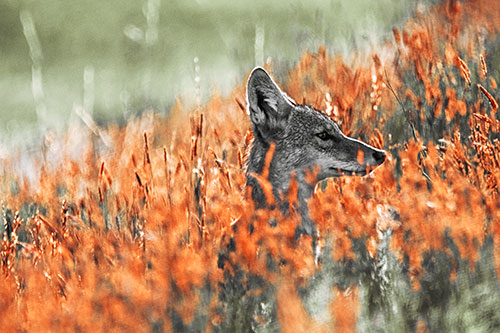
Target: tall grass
{"points": [[141, 52], [149, 226]]}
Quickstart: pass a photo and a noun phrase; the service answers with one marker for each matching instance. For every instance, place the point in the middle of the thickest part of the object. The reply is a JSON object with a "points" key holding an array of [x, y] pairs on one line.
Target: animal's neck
{"points": [[280, 182]]}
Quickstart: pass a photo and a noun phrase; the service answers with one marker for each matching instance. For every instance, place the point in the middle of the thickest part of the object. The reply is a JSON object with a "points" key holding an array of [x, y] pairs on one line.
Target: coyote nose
{"points": [[379, 156]]}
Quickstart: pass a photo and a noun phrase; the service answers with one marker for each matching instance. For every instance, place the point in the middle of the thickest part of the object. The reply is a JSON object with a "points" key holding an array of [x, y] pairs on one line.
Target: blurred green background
{"points": [[115, 58]]}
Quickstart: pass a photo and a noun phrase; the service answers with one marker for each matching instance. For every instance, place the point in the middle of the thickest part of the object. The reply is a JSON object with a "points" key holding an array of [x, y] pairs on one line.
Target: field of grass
{"points": [[118, 58], [147, 225]]}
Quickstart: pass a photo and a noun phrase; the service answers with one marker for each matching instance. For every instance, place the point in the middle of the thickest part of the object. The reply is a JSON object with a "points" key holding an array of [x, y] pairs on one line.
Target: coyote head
{"points": [[305, 139]]}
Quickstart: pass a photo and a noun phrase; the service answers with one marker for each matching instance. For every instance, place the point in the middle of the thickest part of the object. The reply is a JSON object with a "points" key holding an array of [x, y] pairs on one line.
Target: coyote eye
{"points": [[323, 136]]}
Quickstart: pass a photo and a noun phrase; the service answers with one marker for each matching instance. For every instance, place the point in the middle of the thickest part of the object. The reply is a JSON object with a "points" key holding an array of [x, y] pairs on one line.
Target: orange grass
{"points": [[130, 234]]}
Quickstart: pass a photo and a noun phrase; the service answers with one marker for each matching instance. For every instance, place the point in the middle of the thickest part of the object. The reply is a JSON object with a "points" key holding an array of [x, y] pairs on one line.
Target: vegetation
{"points": [[118, 58], [148, 226]]}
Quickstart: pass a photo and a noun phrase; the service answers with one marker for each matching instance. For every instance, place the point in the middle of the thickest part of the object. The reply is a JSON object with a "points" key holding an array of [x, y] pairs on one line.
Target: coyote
{"points": [[306, 141]]}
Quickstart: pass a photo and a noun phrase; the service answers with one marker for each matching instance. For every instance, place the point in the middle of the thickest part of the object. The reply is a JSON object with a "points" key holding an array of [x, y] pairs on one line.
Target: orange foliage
{"points": [[345, 308], [291, 314]]}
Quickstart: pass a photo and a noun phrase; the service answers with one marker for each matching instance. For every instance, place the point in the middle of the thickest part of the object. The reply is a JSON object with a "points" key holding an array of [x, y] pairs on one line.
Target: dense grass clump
{"points": [[149, 226]]}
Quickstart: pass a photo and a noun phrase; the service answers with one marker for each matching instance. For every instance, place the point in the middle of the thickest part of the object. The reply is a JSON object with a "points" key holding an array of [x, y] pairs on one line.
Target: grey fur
{"points": [[304, 138]]}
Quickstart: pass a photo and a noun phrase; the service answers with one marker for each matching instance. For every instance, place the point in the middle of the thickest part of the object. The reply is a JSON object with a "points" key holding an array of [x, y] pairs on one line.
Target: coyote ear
{"points": [[268, 106]]}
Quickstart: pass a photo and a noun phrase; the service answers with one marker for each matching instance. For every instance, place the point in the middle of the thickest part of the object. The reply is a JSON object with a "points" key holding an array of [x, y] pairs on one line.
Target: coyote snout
{"points": [[305, 140], [343, 155]]}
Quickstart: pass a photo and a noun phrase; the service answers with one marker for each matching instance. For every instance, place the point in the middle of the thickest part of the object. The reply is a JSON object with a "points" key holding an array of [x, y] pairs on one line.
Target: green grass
{"points": [[131, 74]]}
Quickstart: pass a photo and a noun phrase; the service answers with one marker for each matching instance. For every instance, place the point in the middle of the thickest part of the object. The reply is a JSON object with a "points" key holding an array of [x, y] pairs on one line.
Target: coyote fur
{"points": [[305, 141]]}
